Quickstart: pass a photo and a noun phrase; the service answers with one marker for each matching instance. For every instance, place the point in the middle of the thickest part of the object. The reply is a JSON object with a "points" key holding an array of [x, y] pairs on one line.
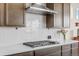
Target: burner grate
{"points": [[39, 43]]}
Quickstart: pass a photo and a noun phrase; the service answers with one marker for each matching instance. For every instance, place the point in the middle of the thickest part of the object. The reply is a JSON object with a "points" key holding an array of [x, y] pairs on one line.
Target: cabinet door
{"points": [[75, 49], [2, 14], [23, 54], [66, 53], [75, 52], [54, 20], [62, 18], [66, 15], [15, 14], [58, 16], [49, 21], [50, 18], [48, 51], [66, 50], [58, 53]]}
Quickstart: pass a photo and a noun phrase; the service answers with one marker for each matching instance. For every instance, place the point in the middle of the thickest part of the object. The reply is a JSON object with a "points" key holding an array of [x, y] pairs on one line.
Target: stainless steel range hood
{"points": [[39, 9]]}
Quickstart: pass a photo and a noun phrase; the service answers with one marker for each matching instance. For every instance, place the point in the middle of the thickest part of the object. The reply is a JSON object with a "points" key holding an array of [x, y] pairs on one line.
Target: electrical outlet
{"points": [[49, 36]]}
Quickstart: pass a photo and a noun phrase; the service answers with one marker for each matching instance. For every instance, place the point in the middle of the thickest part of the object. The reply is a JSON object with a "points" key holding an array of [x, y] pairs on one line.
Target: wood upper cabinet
{"points": [[49, 21], [66, 15], [62, 18], [14, 14], [58, 17], [1, 14], [54, 20], [50, 18]]}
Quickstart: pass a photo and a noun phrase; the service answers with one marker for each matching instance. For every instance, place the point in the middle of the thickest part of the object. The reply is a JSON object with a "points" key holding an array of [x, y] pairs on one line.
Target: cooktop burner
{"points": [[40, 43]]}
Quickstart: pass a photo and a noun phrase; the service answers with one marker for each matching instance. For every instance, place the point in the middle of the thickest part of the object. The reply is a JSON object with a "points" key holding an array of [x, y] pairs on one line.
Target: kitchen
{"points": [[51, 23]]}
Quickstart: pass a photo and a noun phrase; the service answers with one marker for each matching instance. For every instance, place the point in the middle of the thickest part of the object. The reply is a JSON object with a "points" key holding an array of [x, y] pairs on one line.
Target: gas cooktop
{"points": [[40, 43]]}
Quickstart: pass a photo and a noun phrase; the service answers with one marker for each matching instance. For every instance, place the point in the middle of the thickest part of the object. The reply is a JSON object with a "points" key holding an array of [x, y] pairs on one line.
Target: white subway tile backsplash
{"points": [[9, 36]]}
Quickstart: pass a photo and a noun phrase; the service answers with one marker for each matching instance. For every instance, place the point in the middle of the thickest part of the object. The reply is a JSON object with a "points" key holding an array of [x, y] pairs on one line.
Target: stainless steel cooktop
{"points": [[40, 43]]}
